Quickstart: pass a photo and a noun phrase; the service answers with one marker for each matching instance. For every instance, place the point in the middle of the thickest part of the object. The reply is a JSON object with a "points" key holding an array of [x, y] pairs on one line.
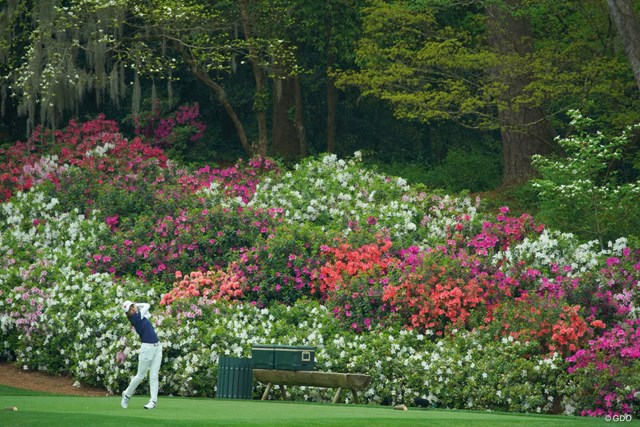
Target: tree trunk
{"points": [[332, 95], [286, 141], [221, 95], [520, 143], [524, 129], [628, 25], [299, 117], [260, 104]]}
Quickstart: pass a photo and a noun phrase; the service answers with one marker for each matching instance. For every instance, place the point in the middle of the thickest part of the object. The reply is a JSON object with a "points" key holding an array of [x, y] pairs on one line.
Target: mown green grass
{"points": [[38, 409]]}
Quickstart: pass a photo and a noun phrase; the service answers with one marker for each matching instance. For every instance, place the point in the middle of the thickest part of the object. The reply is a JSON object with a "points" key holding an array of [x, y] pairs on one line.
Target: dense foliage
{"points": [[583, 191], [429, 293], [418, 82]]}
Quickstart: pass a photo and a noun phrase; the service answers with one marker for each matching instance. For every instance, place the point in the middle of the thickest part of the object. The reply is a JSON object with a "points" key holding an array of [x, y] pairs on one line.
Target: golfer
{"points": [[150, 355]]}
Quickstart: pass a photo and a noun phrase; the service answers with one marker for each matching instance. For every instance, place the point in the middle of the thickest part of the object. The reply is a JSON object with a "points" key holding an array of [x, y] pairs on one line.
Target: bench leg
{"points": [[283, 391], [337, 395], [355, 396], [266, 392]]}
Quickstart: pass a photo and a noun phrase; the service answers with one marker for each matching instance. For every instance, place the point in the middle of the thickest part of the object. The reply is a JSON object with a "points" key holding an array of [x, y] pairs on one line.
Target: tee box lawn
{"points": [[41, 409]]}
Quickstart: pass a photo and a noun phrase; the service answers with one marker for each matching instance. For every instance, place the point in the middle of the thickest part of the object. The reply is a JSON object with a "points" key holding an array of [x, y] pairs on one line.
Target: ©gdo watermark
{"points": [[625, 418]]}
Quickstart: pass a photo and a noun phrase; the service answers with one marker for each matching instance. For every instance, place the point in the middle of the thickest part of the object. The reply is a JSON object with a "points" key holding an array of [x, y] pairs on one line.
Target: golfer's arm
{"points": [[143, 308]]}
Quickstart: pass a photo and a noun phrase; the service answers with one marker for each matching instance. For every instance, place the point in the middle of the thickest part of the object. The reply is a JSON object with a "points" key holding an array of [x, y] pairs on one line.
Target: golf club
{"points": [[102, 328]]}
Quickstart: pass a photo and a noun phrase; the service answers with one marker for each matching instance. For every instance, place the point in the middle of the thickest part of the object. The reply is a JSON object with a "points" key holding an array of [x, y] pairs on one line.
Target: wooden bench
{"points": [[353, 382]]}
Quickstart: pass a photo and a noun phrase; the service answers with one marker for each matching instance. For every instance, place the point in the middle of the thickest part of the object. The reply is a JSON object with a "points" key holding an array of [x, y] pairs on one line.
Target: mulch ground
{"points": [[14, 376]]}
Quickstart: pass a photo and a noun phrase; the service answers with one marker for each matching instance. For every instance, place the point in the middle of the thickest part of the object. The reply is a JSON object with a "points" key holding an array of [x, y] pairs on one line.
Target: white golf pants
{"points": [[149, 360]]}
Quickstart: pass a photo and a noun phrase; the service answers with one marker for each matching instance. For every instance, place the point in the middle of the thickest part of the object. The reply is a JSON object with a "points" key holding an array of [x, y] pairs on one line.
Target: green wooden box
{"points": [[263, 356], [283, 357], [294, 358]]}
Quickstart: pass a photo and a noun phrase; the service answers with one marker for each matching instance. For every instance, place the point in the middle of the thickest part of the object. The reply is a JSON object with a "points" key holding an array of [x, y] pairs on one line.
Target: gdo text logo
{"points": [[625, 418]]}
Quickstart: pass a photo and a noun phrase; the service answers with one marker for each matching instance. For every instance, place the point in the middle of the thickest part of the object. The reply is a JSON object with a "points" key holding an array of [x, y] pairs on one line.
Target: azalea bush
{"points": [[332, 193], [436, 294], [197, 239], [608, 372], [552, 324], [282, 268], [473, 370], [212, 285], [352, 283], [95, 145], [425, 292], [170, 131]]}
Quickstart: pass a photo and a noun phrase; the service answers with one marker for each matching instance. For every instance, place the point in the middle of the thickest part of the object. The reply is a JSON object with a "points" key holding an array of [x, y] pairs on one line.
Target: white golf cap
{"points": [[126, 305]]}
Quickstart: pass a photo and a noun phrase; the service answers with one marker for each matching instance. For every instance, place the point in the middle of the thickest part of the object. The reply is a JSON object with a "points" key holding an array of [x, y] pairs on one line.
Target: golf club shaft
{"points": [[113, 318], [101, 328]]}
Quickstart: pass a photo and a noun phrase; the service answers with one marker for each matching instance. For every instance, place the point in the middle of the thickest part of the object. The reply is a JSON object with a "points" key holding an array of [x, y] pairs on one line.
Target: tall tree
{"points": [[72, 49], [502, 64], [628, 25], [260, 107], [271, 20], [326, 32], [288, 129], [524, 127]]}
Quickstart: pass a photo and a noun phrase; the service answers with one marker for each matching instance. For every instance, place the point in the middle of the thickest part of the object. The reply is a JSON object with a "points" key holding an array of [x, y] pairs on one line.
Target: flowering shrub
{"points": [[352, 283], [607, 372], [616, 287], [170, 132], [425, 292], [28, 307], [446, 219], [212, 285], [192, 240], [332, 192], [283, 269], [503, 233], [472, 370], [578, 192], [544, 320], [238, 182], [437, 293], [96, 145], [550, 249]]}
